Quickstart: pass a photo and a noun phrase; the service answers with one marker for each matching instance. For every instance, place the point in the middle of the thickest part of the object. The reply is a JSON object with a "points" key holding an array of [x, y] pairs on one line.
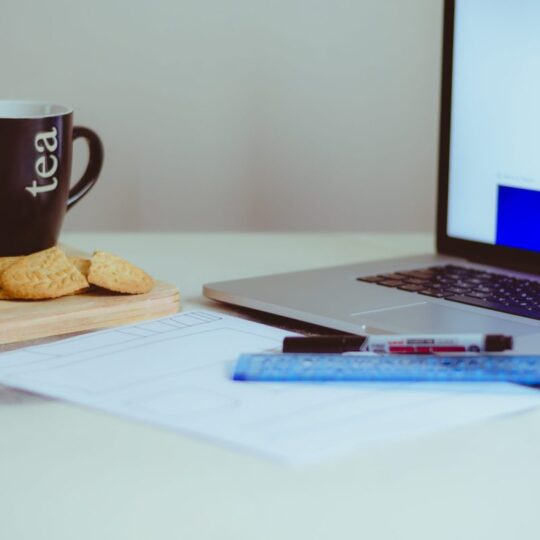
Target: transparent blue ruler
{"points": [[337, 367]]}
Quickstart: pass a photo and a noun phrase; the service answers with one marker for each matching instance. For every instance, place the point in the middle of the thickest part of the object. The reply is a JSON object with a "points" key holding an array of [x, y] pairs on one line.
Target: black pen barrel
{"points": [[326, 344]]}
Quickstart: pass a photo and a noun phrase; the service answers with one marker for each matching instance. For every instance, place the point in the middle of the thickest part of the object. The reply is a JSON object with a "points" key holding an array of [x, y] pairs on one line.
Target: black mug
{"points": [[36, 143]]}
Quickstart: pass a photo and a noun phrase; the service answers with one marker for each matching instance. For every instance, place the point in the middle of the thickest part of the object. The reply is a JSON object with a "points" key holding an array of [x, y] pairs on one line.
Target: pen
{"points": [[399, 344]]}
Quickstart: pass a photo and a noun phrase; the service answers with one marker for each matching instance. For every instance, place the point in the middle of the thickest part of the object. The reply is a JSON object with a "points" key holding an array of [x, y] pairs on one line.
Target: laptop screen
{"points": [[494, 160]]}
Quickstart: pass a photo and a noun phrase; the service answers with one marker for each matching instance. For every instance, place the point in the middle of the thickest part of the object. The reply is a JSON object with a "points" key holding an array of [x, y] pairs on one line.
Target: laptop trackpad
{"points": [[434, 318]]}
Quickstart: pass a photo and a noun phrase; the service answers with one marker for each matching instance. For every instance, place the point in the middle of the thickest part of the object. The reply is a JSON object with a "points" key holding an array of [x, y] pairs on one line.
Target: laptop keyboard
{"points": [[468, 286]]}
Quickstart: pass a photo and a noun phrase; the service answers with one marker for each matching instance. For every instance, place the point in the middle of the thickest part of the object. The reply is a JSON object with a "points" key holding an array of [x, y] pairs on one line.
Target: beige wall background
{"points": [[241, 114]]}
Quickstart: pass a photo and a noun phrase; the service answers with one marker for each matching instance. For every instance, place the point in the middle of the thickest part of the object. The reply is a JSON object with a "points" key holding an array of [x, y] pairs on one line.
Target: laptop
{"points": [[485, 276]]}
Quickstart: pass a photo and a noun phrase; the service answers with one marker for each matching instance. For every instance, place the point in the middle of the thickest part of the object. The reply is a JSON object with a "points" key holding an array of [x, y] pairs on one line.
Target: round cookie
{"points": [[6, 262], [116, 274], [42, 275], [4, 295]]}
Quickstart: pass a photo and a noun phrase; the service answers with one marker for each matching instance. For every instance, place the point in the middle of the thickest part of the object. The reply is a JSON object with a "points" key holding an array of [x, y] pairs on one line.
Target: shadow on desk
{"points": [[284, 323], [10, 396]]}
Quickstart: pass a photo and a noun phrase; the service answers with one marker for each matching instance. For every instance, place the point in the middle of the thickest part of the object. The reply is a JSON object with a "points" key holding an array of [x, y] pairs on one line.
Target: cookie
{"points": [[82, 265], [4, 295], [116, 274], [45, 274], [6, 262]]}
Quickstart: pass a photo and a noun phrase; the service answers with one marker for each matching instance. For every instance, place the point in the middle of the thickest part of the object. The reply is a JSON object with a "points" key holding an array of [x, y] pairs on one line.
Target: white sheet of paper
{"points": [[175, 372]]}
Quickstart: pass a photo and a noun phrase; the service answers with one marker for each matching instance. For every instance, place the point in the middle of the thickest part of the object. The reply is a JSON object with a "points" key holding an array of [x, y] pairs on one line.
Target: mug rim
{"points": [[62, 110]]}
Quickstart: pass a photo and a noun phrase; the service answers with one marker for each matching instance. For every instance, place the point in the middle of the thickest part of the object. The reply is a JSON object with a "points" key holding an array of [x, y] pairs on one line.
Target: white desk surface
{"points": [[71, 473]]}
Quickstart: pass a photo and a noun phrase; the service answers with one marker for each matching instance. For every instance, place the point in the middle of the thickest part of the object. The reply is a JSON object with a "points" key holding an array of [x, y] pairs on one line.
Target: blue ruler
{"points": [[337, 367]]}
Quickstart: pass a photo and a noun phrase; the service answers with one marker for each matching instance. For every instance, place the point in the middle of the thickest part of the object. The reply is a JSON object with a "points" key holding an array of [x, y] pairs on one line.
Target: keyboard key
{"points": [[487, 290], [455, 290], [416, 281], [435, 293], [478, 294], [390, 283], [411, 287], [371, 279], [476, 281]]}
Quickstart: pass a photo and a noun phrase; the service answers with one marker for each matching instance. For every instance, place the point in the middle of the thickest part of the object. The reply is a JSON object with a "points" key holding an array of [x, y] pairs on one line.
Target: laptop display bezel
{"points": [[519, 259]]}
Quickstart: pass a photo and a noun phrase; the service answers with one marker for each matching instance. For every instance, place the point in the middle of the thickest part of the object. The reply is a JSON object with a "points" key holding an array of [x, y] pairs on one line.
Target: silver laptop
{"points": [[485, 276]]}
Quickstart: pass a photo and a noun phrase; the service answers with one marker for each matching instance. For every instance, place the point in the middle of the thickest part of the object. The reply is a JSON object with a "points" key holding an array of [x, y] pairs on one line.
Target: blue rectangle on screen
{"points": [[518, 218]]}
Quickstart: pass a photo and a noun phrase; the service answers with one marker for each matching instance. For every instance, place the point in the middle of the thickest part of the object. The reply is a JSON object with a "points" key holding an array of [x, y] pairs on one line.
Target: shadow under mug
{"points": [[36, 147]]}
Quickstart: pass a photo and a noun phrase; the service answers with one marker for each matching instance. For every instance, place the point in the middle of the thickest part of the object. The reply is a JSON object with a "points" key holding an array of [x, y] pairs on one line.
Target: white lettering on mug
{"points": [[46, 141], [46, 165], [42, 169]]}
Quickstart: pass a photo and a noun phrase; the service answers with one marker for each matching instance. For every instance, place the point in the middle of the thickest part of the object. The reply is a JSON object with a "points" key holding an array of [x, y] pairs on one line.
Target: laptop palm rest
{"points": [[434, 318]]}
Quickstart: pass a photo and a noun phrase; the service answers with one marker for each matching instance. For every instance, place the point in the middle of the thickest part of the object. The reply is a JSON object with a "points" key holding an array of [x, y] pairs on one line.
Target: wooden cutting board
{"points": [[24, 320]]}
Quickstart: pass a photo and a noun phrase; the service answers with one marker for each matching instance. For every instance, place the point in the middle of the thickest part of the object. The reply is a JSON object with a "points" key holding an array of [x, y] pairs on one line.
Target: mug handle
{"points": [[95, 162]]}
